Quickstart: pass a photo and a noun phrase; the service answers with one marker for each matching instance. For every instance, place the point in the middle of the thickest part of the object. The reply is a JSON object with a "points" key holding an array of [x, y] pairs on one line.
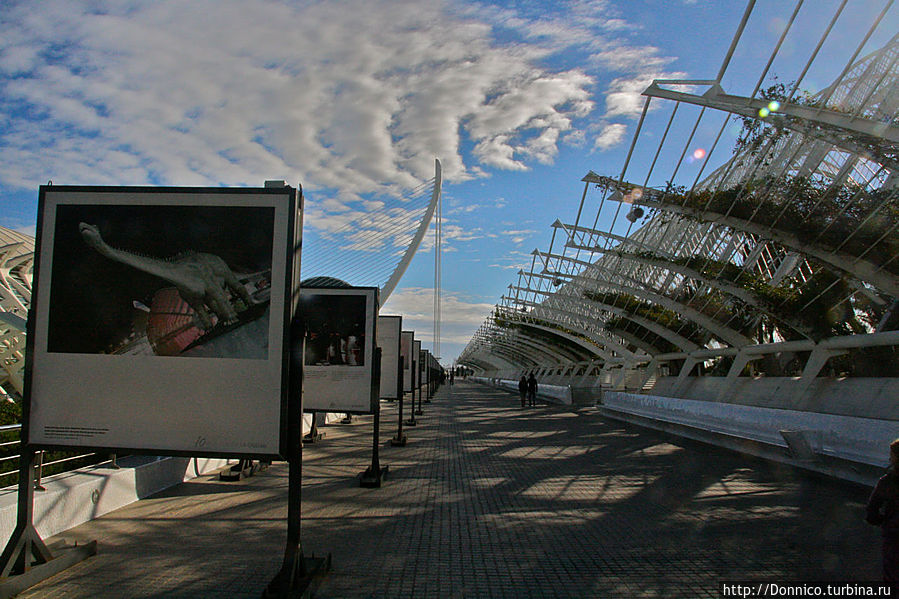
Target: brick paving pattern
{"points": [[489, 500]]}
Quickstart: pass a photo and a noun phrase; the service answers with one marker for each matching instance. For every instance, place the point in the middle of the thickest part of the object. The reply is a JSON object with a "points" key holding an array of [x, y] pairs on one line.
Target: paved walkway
{"points": [[489, 500]]}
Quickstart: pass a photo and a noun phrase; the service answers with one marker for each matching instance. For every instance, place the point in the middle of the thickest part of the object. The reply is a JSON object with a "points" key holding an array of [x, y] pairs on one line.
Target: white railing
{"points": [[40, 464]]}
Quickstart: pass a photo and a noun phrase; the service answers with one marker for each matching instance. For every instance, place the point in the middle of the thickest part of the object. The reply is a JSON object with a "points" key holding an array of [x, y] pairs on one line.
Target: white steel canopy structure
{"points": [[782, 261], [16, 266]]}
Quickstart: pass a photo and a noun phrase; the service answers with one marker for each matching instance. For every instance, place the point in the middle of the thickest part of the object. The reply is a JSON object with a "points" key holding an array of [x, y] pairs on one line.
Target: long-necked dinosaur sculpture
{"points": [[203, 280]]}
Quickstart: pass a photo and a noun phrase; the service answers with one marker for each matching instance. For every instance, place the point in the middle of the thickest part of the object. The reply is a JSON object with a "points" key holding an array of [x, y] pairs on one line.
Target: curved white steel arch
{"points": [[391, 283]]}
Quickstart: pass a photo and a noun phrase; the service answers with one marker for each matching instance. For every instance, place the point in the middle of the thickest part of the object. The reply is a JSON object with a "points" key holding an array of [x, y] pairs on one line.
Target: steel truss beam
{"points": [[611, 344], [594, 350], [662, 331], [520, 337], [740, 293], [851, 132], [718, 329]]}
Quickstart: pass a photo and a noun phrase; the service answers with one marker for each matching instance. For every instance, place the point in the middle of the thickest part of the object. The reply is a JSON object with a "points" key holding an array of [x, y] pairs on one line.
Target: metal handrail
{"points": [[39, 465]]}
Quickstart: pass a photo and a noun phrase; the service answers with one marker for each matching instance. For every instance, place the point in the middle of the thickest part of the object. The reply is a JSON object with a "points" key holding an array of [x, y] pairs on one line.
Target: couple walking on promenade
{"points": [[527, 389]]}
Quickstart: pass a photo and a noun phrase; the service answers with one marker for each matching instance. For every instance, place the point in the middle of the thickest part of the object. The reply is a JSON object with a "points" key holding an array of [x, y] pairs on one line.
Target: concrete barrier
{"points": [[844, 446], [72, 498], [554, 393]]}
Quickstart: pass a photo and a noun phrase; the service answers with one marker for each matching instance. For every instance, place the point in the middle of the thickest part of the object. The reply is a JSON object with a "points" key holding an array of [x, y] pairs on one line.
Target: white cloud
{"points": [[451, 234], [466, 209], [515, 260], [611, 135], [519, 236], [357, 96], [631, 58], [460, 317], [623, 96]]}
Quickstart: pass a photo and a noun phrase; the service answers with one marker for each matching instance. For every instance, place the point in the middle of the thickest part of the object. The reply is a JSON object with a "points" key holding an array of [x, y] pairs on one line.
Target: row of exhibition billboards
{"points": [[172, 321]]}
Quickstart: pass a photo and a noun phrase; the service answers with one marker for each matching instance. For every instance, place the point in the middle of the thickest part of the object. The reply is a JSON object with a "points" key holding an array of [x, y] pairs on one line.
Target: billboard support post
{"points": [[419, 411], [313, 435], [26, 560], [400, 439], [411, 421], [244, 468], [372, 477], [298, 573]]}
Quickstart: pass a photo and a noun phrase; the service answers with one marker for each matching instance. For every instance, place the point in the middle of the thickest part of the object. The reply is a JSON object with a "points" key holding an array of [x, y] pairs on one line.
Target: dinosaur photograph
{"points": [[170, 279]]}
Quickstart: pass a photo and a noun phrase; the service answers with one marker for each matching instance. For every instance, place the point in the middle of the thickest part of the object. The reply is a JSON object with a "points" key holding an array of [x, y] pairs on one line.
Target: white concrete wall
{"points": [[75, 497], [847, 423], [863, 397], [72, 498], [848, 447], [554, 393]]}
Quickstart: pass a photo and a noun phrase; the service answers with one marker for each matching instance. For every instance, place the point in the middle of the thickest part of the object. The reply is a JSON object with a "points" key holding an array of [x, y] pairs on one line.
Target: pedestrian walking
{"points": [[522, 389], [883, 511], [532, 390]]}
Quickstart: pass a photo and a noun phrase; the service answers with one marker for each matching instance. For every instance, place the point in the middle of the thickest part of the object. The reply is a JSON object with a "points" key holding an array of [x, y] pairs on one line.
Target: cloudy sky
{"points": [[355, 100]]}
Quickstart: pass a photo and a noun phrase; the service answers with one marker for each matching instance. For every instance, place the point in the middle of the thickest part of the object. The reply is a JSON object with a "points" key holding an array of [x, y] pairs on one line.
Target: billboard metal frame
{"points": [[358, 381], [391, 358], [286, 201]]}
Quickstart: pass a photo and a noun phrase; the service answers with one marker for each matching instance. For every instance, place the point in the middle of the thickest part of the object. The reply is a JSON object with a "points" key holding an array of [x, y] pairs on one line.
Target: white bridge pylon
{"points": [[369, 243]]}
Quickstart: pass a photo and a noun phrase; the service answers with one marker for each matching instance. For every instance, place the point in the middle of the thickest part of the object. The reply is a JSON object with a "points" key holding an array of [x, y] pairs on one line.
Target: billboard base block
{"points": [[411, 422], [310, 438], [371, 478], [11, 586], [347, 420], [241, 470], [398, 441], [419, 412], [299, 582]]}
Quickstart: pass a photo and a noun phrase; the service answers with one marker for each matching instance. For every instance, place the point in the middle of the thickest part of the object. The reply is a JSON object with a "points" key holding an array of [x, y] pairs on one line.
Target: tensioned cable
{"points": [[371, 238], [850, 63], [814, 54], [736, 39]]}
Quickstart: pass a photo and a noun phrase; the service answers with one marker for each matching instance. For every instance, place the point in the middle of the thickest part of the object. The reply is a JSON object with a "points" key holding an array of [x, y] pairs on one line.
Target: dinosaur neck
{"points": [[153, 266]]}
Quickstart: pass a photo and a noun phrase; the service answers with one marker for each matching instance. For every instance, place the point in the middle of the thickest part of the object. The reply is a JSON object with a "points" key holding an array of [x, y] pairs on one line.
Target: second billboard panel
{"points": [[338, 356]]}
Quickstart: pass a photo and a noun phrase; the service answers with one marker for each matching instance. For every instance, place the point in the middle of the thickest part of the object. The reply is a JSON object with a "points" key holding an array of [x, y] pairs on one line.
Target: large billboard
{"points": [[159, 319], [416, 353], [406, 339], [338, 358], [389, 341]]}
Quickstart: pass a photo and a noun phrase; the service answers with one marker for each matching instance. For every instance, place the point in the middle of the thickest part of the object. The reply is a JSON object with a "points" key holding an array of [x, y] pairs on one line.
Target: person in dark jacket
{"points": [[883, 511], [522, 389], [532, 390]]}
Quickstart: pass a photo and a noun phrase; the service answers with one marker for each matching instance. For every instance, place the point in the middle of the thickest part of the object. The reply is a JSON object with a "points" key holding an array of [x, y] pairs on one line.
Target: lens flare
{"points": [[773, 105], [699, 153], [763, 112]]}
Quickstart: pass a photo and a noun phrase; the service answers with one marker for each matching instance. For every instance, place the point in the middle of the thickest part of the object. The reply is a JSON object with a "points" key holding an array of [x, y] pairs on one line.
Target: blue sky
{"points": [[355, 99]]}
